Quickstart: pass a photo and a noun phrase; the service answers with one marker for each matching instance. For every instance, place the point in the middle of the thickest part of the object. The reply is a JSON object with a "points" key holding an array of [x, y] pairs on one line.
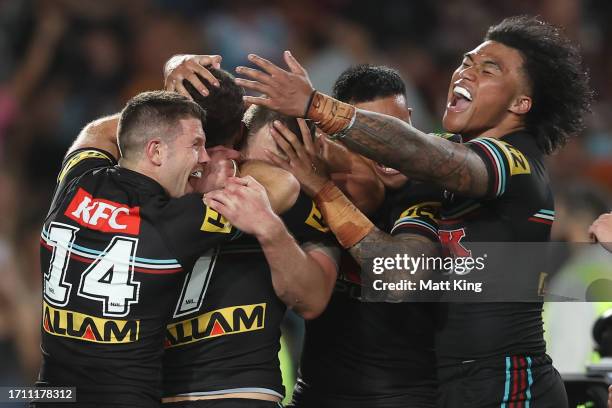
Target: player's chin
{"points": [[454, 122]]}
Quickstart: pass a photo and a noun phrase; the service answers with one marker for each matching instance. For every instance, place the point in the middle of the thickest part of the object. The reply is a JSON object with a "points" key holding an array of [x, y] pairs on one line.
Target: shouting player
{"points": [[515, 98]]}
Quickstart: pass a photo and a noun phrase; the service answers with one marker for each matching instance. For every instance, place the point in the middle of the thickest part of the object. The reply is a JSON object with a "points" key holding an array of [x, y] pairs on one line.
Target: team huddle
{"points": [[182, 228]]}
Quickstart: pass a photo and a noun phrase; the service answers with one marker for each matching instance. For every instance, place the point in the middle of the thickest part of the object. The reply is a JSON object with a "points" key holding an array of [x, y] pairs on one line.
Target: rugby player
{"points": [[224, 353], [372, 354], [114, 248], [223, 342], [515, 98]]}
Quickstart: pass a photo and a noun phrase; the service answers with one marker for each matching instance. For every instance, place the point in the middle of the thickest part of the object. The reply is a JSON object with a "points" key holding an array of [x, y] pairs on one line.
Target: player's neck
{"points": [[142, 168], [498, 131]]}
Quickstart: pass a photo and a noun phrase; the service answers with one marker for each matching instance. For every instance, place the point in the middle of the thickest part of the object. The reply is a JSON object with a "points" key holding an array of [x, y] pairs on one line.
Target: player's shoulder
{"points": [[82, 160]]}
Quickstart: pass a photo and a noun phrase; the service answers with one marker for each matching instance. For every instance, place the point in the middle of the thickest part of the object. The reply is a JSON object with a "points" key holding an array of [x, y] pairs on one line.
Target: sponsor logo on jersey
{"points": [[427, 209], [217, 323], [215, 222], [315, 219], [77, 158], [79, 326], [103, 215]]}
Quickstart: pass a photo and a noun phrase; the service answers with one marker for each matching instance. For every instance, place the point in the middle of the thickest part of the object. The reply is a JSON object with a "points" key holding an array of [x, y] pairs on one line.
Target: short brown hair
{"points": [[153, 114]]}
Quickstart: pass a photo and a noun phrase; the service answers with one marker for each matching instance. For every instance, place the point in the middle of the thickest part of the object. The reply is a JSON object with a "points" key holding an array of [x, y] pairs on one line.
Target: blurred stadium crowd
{"points": [[64, 63]]}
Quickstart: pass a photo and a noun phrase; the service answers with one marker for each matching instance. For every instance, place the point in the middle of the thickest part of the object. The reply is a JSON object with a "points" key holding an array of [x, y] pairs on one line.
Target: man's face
{"points": [[483, 88], [393, 106], [184, 158]]}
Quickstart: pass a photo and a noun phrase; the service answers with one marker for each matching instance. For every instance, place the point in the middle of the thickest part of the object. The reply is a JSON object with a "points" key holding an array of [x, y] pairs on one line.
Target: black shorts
{"points": [[224, 403], [416, 397], [506, 382]]}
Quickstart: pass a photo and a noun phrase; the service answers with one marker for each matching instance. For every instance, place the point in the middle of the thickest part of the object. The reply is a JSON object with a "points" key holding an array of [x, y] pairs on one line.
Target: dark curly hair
{"points": [[561, 94], [364, 83], [224, 107]]}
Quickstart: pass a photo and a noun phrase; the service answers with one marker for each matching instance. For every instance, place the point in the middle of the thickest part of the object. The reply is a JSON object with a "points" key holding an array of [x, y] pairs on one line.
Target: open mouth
{"points": [[196, 174], [460, 99], [386, 170]]}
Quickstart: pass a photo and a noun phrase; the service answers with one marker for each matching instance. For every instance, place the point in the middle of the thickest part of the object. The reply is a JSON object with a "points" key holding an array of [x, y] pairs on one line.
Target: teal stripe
{"points": [[402, 220], [549, 212], [501, 164], [530, 381], [507, 385], [137, 259]]}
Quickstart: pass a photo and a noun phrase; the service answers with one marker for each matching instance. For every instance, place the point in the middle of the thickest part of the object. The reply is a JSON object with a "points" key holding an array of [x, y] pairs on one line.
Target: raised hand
{"points": [[287, 92], [186, 66], [300, 159]]}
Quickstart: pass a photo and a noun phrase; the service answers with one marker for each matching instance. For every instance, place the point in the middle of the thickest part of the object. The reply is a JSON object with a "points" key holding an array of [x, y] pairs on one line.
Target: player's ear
{"points": [[521, 105], [153, 151]]}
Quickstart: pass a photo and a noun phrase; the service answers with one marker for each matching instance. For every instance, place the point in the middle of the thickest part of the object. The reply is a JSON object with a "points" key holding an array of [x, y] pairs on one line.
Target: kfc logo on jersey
{"points": [[103, 215]]}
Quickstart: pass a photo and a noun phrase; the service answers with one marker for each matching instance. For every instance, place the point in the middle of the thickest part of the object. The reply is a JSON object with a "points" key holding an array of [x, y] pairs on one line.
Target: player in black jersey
{"points": [[515, 98], [203, 365], [222, 345], [365, 354], [115, 246]]}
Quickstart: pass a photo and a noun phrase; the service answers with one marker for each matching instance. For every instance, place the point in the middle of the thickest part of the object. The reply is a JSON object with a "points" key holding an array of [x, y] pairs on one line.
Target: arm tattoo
{"points": [[411, 245], [396, 144]]}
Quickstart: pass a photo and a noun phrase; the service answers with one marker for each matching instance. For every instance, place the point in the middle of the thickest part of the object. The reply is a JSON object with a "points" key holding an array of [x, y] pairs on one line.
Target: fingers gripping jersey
{"points": [[225, 332], [518, 208], [113, 250]]}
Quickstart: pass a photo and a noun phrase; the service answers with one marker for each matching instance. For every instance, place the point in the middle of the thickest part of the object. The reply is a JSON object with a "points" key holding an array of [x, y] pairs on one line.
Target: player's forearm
{"points": [[298, 280], [100, 134], [397, 144]]}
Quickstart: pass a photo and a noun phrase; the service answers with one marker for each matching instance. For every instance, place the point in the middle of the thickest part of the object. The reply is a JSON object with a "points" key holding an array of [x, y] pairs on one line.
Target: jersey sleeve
{"points": [[417, 211], [82, 160], [304, 220], [189, 227], [503, 162]]}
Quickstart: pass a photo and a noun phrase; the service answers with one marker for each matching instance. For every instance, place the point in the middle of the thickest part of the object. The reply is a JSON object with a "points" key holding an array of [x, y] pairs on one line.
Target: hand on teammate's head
{"points": [[244, 203], [188, 67], [287, 92], [300, 159]]}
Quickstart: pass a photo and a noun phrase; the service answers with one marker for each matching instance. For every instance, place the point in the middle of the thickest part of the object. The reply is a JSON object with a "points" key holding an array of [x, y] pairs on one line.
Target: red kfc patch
{"points": [[103, 215]]}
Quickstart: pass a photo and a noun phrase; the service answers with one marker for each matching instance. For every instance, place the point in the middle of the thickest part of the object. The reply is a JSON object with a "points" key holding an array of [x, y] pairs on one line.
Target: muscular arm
{"points": [[383, 138], [281, 187], [302, 280], [397, 144], [101, 134]]}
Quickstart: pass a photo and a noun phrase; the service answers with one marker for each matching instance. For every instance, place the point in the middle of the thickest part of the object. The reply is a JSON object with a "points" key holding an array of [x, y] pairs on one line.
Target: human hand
{"points": [[300, 159], [244, 203], [287, 92], [186, 66]]}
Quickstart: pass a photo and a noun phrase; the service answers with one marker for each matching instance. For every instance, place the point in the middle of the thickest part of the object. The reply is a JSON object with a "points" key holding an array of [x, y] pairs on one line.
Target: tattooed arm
{"points": [[380, 137], [397, 144]]}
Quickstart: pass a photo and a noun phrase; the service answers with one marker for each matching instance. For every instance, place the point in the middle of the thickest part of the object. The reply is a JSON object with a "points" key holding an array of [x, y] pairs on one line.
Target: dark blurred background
{"points": [[64, 63]]}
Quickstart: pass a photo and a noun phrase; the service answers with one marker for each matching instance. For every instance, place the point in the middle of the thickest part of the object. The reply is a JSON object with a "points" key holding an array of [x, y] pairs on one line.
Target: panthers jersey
{"points": [[225, 332], [518, 208], [367, 354], [114, 249]]}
